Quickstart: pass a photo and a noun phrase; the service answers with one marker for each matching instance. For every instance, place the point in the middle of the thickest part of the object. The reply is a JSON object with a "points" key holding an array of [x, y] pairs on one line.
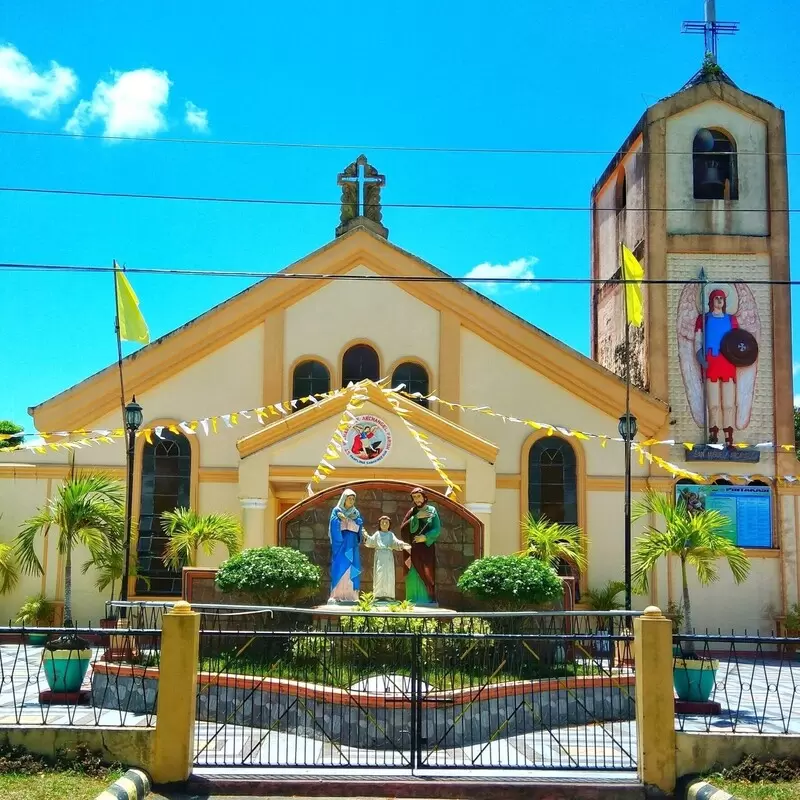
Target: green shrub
{"points": [[511, 583], [7, 426], [272, 575]]}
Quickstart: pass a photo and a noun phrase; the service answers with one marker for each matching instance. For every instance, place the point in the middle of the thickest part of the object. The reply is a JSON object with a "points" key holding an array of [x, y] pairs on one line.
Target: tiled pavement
{"points": [[755, 696]]}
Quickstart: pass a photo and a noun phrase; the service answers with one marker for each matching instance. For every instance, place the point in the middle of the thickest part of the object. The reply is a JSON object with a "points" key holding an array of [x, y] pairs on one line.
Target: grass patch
{"points": [[758, 791], [77, 775], [770, 779], [54, 786]]}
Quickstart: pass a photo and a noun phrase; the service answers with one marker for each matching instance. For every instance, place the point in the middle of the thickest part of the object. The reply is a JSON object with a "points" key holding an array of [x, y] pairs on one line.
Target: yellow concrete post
{"points": [[177, 690], [655, 706]]}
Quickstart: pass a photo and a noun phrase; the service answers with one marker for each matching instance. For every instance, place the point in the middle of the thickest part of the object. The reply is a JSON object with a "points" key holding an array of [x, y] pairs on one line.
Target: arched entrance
{"points": [[305, 527]]}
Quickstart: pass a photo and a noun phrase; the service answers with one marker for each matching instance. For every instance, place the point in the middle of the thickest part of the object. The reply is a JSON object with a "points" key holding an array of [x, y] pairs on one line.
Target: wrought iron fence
{"points": [[118, 689], [285, 688], [737, 683]]}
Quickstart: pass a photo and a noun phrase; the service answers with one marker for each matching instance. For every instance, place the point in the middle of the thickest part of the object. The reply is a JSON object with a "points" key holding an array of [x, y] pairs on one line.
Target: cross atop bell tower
{"points": [[361, 198], [711, 29]]}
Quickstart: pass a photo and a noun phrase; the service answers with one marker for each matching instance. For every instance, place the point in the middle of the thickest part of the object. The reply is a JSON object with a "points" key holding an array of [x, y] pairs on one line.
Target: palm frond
{"points": [[9, 568], [187, 532], [553, 541], [604, 598]]}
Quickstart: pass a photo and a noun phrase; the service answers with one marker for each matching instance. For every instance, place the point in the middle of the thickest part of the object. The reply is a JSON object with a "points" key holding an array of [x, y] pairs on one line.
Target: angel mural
{"points": [[718, 355]]}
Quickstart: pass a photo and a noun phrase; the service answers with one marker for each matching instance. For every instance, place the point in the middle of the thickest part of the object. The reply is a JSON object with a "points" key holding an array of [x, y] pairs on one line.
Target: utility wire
{"points": [[362, 147], [331, 203], [210, 273]]}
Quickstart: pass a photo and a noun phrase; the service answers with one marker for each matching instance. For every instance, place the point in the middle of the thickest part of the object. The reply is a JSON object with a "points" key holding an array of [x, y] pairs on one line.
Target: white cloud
{"points": [[132, 104], [196, 117], [36, 94], [518, 268]]}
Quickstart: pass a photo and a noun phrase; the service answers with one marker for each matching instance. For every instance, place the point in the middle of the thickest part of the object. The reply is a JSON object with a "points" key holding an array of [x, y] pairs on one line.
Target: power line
{"points": [[362, 147], [210, 273], [332, 203]]}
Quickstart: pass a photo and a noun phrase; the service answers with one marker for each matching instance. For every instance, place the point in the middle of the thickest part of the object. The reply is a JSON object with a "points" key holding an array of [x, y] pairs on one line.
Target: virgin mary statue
{"points": [[345, 529]]}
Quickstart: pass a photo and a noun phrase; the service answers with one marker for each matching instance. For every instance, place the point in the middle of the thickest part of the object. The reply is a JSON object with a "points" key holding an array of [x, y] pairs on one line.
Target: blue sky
{"points": [[514, 74]]}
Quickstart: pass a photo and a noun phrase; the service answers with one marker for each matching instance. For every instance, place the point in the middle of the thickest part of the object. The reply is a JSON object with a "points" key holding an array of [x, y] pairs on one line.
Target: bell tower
{"points": [[698, 191]]}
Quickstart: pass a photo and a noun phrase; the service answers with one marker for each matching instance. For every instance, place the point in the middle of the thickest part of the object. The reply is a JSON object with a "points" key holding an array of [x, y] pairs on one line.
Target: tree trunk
{"points": [[68, 589], [687, 608]]}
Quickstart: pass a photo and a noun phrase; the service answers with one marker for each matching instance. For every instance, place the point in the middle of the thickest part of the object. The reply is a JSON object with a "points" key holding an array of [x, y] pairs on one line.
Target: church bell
{"points": [[711, 179]]}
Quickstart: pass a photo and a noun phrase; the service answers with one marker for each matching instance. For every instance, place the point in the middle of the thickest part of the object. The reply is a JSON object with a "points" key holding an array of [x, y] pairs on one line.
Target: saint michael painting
{"points": [[719, 331]]}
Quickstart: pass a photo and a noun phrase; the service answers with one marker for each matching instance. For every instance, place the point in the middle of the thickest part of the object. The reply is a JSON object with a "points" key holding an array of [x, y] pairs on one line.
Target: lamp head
{"points": [[133, 415]]}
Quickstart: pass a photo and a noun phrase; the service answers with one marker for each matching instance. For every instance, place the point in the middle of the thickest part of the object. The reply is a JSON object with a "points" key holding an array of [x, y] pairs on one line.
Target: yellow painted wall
{"points": [[397, 324], [490, 377]]}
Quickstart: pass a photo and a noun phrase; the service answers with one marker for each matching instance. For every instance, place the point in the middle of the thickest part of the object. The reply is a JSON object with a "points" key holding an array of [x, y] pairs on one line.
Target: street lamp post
{"points": [[133, 421], [627, 430]]}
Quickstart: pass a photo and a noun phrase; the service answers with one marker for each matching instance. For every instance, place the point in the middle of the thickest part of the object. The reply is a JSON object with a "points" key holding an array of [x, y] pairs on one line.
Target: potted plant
{"points": [[188, 532], [36, 612], [87, 510], [697, 540], [604, 599]]}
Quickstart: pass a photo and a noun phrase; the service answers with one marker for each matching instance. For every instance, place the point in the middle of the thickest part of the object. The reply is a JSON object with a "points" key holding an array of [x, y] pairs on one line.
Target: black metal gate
{"points": [[375, 693]]}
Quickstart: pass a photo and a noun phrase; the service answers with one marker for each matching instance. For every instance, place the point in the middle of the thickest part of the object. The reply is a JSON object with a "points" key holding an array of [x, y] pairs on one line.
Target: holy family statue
{"points": [[418, 534]]}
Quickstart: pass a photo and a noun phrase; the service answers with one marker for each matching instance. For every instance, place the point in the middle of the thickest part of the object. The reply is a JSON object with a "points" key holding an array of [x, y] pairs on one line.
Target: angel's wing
{"points": [[690, 369], [748, 318]]}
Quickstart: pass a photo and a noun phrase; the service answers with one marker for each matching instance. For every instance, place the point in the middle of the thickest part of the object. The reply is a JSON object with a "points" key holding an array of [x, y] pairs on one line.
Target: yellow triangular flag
{"points": [[632, 270], [132, 327]]}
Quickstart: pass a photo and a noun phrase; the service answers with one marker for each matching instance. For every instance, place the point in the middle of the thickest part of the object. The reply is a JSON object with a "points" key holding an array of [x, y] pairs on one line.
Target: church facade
{"points": [[278, 342]]}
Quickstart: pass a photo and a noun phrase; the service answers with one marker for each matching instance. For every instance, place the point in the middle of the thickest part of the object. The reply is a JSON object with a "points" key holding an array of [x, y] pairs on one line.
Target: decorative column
{"points": [[483, 512], [253, 512]]}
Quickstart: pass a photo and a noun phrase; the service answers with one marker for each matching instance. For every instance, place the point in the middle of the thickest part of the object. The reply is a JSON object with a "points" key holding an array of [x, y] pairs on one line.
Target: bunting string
{"points": [[83, 437]]}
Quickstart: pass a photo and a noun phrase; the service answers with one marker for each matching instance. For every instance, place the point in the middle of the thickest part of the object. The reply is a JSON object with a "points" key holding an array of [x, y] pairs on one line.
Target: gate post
{"points": [[177, 695], [655, 706]]}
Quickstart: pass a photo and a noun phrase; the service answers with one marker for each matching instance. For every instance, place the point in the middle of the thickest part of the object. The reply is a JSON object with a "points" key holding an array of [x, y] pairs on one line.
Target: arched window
{"points": [[166, 485], [308, 378], [359, 363], [415, 378], [715, 174], [553, 487], [553, 481]]}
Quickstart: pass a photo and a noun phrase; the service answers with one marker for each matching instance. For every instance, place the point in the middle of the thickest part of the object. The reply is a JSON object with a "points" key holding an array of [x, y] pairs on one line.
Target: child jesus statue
{"points": [[384, 542]]}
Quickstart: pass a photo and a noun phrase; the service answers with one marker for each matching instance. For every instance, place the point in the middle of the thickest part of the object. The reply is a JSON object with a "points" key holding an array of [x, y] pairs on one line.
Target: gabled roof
{"points": [[99, 394], [420, 417]]}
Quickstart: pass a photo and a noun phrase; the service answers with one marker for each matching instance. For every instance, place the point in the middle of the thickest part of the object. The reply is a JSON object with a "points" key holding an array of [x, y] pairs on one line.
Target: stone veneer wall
{"points": [[455, 547], [378, 722]]}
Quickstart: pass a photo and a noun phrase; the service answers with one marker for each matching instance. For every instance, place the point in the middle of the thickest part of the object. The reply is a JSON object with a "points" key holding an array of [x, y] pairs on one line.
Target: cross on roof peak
{"points": [[711, 29], [361, 197]]}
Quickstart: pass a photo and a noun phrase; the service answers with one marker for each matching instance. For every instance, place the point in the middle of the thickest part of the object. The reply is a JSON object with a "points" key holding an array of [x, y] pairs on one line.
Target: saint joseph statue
{"points": [[421, 529]]}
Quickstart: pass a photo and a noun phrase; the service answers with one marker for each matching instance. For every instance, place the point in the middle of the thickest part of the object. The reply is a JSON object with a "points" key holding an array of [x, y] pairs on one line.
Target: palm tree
{"points": [[187, 532], [604, 598], [553, 542], [695, 537], [88, 510], [108, 564]]}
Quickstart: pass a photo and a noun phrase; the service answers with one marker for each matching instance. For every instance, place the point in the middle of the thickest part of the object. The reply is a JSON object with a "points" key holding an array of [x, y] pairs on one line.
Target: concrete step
{"points": [[539, 787]]}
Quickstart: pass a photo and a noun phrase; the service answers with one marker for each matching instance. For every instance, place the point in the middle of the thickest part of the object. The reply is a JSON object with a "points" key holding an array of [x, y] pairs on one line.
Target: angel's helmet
{"points": [[718, 293]]}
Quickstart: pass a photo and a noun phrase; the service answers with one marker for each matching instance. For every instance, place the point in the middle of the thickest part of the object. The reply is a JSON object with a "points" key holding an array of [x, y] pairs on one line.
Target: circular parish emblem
{"points": [[368, 440]]}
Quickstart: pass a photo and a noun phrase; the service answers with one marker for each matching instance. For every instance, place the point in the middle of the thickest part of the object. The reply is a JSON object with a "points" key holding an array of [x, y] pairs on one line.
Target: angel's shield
{"points": [[739, 347]]}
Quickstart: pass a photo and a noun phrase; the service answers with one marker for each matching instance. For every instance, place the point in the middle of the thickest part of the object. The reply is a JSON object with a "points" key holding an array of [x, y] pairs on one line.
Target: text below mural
{"points": [[368, 440], [748, 509]]}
